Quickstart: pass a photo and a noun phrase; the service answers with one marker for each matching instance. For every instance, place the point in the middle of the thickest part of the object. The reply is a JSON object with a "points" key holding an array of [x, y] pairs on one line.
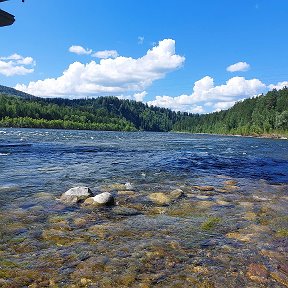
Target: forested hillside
{"points": [[262, 115], [13, 92], [103, 113]]}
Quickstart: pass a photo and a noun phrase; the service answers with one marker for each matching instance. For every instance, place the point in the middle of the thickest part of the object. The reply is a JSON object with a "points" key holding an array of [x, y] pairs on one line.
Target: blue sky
{"points": [[196, 56]]}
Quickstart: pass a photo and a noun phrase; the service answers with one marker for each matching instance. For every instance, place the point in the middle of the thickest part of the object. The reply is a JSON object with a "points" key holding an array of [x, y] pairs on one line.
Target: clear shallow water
{"points": [[204, 238]]}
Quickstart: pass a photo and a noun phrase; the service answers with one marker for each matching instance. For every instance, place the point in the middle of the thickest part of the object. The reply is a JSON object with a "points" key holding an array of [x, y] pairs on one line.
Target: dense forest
{"points": [[103, 113], [262, 115]]}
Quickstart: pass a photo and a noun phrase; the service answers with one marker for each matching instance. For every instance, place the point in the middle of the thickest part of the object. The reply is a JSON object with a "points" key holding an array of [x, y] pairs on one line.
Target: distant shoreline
{"points": [[264, 136]]}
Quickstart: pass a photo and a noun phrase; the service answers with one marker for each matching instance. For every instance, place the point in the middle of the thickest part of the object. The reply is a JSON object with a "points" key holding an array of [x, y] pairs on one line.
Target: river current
{"points": [[228, 229]]}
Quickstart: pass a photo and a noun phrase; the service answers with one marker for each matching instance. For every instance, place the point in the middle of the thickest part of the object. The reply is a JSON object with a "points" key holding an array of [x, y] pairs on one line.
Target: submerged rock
{"points": [[127, 193], [113, 187], [230, 182], [103, 199], [157, 210], [124, 211], [231, 188], [9, 188], [258, 273], [239, 236], [223, 202], [176, 194], [160, 198], [204, 204], [61, 237], [44, 196], [250, 216], [202, 197], [76, 194], [204, 188]]}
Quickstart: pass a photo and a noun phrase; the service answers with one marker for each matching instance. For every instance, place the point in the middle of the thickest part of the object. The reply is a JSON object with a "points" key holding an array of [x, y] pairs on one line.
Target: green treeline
{"points": [[262, 115], [103, 113], [41, 113], [140, 115]]}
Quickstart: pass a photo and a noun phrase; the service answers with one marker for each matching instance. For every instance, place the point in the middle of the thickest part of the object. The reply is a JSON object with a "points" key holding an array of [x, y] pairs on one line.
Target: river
{"points": [[228, 229]]}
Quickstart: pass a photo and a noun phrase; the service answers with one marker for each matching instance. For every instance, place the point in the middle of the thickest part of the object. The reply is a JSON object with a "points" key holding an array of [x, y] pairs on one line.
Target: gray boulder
{"points": [[103, 199], [76, 194]]}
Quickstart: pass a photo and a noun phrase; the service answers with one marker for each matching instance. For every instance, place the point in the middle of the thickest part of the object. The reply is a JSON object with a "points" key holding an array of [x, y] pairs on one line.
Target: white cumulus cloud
{"points": [[218, 106], [16, 64], [105, 54], [140, 96], [279, 85], [136, 96], [110, 76], [80, 50], [240, 66], [206, 95]]}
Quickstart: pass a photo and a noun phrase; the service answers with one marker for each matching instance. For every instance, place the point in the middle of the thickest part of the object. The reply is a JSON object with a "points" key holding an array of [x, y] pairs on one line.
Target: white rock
{"points": [[103, 199], [129, 186], [76, 194]]}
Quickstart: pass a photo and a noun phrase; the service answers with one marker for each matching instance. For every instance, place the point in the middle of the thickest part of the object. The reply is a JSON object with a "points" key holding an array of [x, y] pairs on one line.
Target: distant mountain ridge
{"points": [[14, 92]]}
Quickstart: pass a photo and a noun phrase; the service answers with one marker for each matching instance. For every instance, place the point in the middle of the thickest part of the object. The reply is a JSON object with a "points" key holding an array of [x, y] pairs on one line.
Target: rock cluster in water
{"points": [[85, 195]]}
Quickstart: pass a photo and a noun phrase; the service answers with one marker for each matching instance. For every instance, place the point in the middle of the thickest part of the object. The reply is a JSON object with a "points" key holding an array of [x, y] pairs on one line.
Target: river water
{"points": [[228, 229]]}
